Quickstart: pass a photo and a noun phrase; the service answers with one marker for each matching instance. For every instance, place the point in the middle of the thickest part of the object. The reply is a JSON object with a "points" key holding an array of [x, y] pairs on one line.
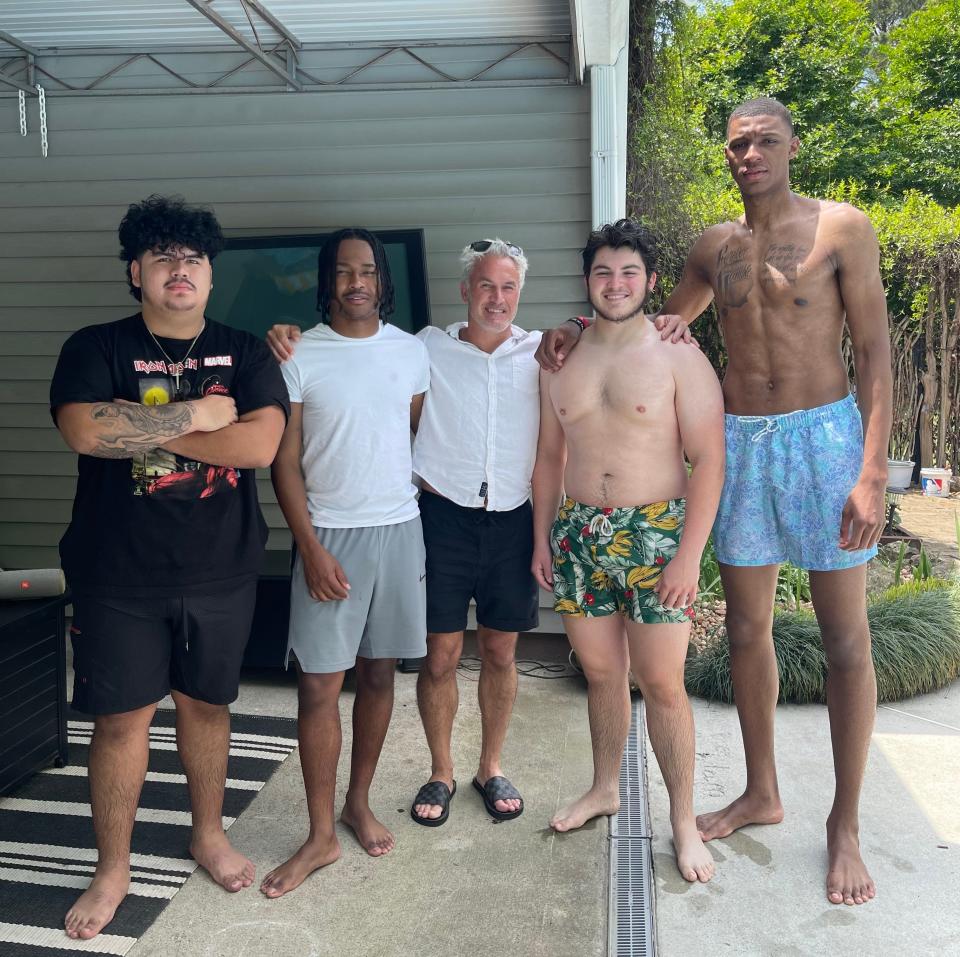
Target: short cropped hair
{"points": [[327, 270], [160, 223], [622, 233], [763, 106], [498, 247]]}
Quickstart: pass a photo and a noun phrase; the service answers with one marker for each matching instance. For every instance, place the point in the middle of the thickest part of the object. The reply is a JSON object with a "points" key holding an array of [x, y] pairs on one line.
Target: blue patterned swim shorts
{"points": [[788, 477]]}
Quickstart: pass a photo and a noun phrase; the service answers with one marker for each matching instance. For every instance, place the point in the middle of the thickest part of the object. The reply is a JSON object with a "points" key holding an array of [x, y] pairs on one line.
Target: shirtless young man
{"points": [[626, 544], [805, 477]]}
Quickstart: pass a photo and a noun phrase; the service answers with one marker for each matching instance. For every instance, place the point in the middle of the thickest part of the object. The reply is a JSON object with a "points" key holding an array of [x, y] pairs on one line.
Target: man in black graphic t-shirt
{"points": [[170, 414], [161, 520]]}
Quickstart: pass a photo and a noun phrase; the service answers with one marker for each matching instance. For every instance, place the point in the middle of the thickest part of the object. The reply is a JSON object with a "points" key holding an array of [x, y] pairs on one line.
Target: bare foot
{"points": [[95, 907], [229, 868], [743, 811], [694, 861], [374, 838], [848, 881], [314, 854], [593, 804]]}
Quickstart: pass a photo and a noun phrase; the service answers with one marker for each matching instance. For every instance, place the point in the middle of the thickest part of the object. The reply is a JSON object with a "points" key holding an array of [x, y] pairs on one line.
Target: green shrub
{"points": [[916, 637], [709, 587], [793, 586], [916, 647]]}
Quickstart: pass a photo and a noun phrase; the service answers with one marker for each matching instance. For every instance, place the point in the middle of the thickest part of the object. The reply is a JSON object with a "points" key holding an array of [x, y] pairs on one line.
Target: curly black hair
{"points": [[624, 232], [327, 269], [164, 222]]}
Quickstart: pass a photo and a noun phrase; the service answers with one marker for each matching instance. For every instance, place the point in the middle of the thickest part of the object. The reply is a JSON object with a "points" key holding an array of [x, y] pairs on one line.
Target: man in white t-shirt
{"points": [[474, 454], [343, 479]]}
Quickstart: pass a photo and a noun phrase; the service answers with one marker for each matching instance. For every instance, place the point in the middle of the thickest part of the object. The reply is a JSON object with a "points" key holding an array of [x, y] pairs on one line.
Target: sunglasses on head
{"points": [[482, 245]]}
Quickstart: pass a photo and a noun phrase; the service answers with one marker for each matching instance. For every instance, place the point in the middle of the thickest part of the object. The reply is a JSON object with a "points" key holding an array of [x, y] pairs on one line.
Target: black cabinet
{"points": [[33, 694]]}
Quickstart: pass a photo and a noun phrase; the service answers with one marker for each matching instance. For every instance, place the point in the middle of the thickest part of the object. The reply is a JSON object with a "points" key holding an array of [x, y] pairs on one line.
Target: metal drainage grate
{"points": [[631, 915]]}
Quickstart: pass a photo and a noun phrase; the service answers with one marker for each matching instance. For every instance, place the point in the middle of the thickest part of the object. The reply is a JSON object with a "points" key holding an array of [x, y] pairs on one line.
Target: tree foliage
{"points": [[918, 103], [810, 55], [874, 88], [886, 14]]}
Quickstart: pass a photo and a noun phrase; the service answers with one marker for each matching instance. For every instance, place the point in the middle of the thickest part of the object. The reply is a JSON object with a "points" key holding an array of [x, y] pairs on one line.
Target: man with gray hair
{"points": [[474, 453]]}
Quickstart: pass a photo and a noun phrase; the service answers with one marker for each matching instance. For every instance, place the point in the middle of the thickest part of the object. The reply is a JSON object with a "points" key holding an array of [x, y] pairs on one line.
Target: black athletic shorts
{"points": [[131, 652], [475, 553]]}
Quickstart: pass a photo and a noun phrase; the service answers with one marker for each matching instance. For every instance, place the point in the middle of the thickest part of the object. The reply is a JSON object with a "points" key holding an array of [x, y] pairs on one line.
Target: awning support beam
{"points": [[17, 85], [18, 71], [19, 44], [269, 62], [274, 22]]}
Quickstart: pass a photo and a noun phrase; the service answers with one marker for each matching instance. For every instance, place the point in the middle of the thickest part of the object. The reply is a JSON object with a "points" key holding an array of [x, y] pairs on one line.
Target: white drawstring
{"points": [[601, 522], [772, 425]]}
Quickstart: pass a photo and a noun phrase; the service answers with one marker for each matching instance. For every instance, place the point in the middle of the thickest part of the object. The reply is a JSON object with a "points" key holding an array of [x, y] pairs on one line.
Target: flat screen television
{"points": [[259, 281]]}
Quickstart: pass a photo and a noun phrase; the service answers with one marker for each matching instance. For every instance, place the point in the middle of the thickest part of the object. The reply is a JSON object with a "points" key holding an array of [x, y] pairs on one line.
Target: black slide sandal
{"points": [[498, 788], [433, 792]]}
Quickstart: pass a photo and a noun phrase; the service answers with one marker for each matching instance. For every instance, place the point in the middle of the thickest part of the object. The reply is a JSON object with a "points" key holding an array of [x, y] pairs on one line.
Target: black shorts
{"points": [[474, 553], [131, 652]]}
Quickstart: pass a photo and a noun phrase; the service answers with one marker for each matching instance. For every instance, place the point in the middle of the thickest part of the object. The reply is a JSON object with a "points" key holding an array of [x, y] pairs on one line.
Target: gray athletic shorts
{"points": [[386, 613]]}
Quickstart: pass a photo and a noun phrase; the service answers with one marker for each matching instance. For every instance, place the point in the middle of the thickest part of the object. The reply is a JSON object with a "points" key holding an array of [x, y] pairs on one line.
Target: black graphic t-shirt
{"points": [[160, 524]]}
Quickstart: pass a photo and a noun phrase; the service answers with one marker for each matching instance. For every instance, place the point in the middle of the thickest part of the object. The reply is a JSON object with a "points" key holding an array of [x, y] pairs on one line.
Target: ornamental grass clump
{"points": [[916, 637], [916, 647]]}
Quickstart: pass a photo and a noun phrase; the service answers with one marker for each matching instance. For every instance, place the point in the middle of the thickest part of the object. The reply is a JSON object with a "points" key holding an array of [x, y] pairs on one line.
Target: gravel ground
{"points": [[708, 625]]}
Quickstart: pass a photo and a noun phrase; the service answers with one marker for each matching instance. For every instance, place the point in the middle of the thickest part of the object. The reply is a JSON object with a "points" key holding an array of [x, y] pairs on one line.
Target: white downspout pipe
{"points": [[603, 144]]}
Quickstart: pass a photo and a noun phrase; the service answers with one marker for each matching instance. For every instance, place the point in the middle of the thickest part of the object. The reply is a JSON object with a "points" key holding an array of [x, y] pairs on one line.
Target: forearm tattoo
{"points": [[128, 429]]}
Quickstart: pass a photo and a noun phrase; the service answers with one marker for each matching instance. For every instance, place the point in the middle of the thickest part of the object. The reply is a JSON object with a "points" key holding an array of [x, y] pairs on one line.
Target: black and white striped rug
{"points": [[47, 849]]}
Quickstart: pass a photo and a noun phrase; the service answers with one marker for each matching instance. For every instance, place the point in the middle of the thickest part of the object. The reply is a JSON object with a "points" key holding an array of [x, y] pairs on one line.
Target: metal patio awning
{"points": [[144, 46]]}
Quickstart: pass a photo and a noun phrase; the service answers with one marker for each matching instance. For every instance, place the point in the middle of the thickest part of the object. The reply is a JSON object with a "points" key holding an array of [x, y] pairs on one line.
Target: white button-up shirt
{"points": [[477, 439]]}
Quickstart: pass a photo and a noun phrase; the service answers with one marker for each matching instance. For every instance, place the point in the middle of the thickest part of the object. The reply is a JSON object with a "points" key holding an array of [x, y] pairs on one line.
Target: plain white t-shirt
{"points": [[356, 396]]}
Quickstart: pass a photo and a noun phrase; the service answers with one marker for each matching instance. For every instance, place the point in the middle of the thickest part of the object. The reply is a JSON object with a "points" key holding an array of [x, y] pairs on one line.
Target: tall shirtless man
{"points": [[805, 471], [626, 544]]}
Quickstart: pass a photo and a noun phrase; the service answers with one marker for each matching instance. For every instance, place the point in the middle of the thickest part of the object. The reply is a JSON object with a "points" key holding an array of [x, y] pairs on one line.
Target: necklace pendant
{"points": [[175, 370]]}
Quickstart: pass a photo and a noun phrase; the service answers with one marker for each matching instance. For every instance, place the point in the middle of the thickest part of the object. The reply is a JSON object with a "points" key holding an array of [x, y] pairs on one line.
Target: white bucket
{"points": [[936, 482], [899, 474]]}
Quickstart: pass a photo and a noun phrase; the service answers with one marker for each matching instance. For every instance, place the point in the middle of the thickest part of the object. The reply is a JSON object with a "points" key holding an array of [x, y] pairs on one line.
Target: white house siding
{"points": [[461, 163]]}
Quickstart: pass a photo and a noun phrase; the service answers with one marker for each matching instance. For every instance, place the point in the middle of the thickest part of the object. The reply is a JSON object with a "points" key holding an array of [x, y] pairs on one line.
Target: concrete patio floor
{"points": [[477, 888], [768, 899], [469, 887]]}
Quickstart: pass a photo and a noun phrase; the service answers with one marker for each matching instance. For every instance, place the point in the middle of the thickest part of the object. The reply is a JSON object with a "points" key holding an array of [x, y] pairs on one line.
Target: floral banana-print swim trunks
{"points": [[607, 561]]}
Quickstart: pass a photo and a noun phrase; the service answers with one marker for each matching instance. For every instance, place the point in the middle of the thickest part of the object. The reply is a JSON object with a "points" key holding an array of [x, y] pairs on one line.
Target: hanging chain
{"points": [[43, 120], [23, 112]]}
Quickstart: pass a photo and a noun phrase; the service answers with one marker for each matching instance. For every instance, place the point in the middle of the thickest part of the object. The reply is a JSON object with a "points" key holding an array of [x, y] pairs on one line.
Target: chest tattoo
{"points": [[734, 276], [783, 260]]}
